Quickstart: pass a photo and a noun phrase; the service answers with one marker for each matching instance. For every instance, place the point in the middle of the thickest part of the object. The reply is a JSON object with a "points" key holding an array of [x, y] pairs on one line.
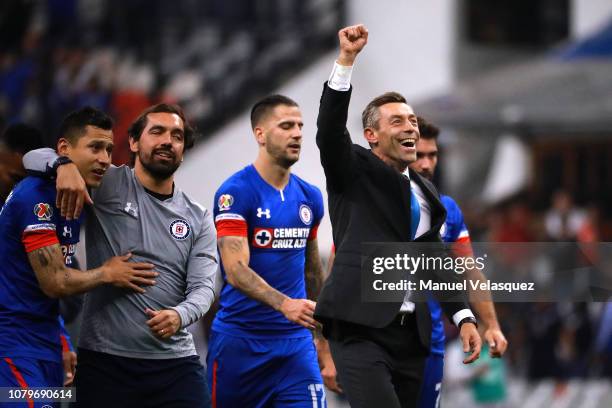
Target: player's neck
{"points": [[163, 186], [274, 174]]}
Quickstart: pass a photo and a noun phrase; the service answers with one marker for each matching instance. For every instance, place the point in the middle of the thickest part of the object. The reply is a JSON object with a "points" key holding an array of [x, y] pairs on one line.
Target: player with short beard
{"points": [[134, 349], [261, 352]]}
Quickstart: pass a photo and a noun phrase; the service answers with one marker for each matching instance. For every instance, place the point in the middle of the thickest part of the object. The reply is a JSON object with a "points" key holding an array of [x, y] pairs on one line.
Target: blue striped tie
{"points": [[415, 214]]}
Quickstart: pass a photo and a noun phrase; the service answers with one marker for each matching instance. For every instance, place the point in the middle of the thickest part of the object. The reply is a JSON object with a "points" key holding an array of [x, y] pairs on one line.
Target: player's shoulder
{"points": [[237, 182], [449, 203], [452, 208], [309, 189], [116, 175], [192, 205], [32, 189]]}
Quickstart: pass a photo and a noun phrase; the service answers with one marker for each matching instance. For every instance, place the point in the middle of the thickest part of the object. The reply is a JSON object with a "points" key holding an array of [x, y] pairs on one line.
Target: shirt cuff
{"points": [[340, 78], [462, 314]]}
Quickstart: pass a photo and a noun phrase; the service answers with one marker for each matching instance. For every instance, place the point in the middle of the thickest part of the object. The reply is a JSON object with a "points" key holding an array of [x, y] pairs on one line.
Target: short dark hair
{"points": [[427, 130], [74, 124], [371, 115], [265, 105], [22, 138], [136, 128]]}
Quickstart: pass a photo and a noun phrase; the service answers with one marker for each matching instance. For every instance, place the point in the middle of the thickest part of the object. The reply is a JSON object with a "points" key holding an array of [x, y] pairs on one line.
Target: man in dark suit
{"points": [[379, 348]]}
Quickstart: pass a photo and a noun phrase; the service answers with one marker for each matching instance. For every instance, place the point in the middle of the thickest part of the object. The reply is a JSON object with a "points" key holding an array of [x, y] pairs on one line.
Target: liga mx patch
{"points": [[305, 214], [225, 202], [43, 211], [180, 229]]}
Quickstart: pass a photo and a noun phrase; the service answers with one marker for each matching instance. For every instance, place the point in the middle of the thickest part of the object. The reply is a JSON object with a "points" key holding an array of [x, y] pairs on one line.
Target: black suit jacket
{"points": [[369, 201]]}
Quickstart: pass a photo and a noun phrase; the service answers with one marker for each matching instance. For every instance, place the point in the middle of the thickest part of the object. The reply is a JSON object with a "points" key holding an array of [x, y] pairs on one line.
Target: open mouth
{"points": [[164, 154], [410, 143], [295, 146], [98, 172]]}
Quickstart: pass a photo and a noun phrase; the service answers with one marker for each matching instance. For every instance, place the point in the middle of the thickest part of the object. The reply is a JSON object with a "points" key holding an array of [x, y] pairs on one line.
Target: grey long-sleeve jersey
{"points": [[177, 235]]}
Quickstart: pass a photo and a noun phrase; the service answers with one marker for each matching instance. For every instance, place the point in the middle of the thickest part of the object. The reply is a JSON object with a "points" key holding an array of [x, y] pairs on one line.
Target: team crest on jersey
{"points": [[305, 214], [225, 202], [43, 211], [262, 237], [180, 229]]}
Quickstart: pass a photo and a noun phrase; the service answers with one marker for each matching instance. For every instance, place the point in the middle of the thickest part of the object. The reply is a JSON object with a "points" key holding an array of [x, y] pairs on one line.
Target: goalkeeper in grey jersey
{"points": [[133, 348]]}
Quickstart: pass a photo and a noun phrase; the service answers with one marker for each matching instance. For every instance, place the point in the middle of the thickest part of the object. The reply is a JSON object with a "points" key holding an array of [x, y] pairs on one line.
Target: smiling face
{"points": [[279, 132], [91, 153], [395, 135], [161, 145]]}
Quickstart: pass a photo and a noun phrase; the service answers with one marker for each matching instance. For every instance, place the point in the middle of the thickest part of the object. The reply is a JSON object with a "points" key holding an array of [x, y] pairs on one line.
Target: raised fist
{"points": [[352, 40]]}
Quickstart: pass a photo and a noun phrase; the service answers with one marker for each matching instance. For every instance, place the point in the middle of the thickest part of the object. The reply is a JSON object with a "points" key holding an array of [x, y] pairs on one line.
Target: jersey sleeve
{"points": [[462, 244], [40, 162], [202, 275], [37, 220], [318, 212], [232, 207]]}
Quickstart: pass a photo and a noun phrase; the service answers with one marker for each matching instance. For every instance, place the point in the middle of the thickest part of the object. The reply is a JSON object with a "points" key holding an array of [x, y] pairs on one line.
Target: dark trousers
{"points": [[379, 367], [104, 380]]}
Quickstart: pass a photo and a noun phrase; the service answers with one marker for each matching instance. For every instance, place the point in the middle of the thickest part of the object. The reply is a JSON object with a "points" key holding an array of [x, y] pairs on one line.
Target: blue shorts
{"points": [[105, 380], [19, 372], [248, 372], [432, 382]]}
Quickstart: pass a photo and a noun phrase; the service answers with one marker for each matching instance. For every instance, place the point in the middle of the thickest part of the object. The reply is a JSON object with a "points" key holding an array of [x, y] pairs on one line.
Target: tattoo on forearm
{"points": [[313, 273], [255, 287], [234, 245], [43, 256]]}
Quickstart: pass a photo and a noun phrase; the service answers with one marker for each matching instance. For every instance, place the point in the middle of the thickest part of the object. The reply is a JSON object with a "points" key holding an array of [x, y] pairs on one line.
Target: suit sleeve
{"points": [[202, 271], [333, 139]]}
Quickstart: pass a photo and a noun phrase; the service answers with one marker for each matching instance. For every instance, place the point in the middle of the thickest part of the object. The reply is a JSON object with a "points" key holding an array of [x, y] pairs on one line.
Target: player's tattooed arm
{"points": [[57, 280], [235, 257], [313, 275], [313, 271]]}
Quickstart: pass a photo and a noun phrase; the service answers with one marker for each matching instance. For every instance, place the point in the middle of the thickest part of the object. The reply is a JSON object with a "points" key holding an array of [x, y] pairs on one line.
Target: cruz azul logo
{"points": [[305, 214], [280, 238], [179, 229], [43, 211]]}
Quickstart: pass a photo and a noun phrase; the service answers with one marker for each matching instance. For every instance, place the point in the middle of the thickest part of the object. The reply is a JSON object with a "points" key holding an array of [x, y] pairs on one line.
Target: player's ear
{"points": [[63, 146], [260, 137], [370, 136], [133, 145]]}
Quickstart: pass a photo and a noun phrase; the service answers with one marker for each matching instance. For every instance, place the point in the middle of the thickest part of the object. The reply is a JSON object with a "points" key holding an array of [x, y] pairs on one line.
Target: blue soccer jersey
{"points": [[453, 231], [278, 225], [29, 220]]}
